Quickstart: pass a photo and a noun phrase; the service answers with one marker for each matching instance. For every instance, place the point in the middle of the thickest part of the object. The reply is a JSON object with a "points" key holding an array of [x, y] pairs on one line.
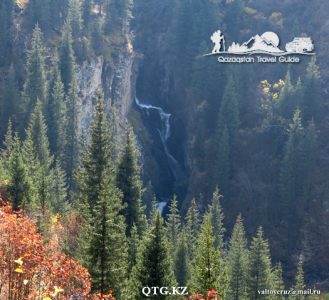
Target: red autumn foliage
{"points": [[31, 269], [210, 295]]}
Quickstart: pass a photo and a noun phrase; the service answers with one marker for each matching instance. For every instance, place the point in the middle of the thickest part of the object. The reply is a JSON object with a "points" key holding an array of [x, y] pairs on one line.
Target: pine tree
{"points": [[130, 183], [173, 224], [217, 217], [277, 282], [67, 59], [299, 280], [260, 266], [96, 159], [237, 263], [35, 87], [206, 266], [19, 186], [108, 244], [74, 17], [154, 266], [56, 109]]}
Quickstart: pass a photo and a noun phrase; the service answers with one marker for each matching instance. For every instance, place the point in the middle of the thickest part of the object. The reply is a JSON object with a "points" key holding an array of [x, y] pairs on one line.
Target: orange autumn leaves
{"points": [[31, 269]]}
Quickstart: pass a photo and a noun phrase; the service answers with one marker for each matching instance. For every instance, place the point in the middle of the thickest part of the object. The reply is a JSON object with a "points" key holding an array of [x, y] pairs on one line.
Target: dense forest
{"points": [[129, 159]]}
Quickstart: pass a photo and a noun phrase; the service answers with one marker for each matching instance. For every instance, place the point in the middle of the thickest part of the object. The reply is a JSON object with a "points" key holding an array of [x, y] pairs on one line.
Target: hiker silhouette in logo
{"points": [[217, 39]]}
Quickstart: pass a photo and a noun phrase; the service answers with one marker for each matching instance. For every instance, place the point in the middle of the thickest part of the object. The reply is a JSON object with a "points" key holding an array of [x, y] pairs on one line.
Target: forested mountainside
{"points": [[142, 163]]}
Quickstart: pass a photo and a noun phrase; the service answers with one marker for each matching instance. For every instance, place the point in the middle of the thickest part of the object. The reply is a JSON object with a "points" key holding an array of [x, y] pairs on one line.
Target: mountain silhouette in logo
{"points": [[256, 44]]}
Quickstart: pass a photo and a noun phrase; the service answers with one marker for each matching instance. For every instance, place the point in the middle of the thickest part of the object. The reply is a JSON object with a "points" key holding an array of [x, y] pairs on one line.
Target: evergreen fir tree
{"points": [[192, 226], [39, 157], [8, 144], [67, 59], [277, 282], [96, 160], [74, 17], [19, 183], [206, 269], [260, 266], [182, 260], [237, 263], [59, 190], [37, 132], [217, 217], [130, 183], [222, 163], [71, 147], [108, 244], [35, 87], [299, 280], [173, 224], [56, 112], [311, 102], [154, 266]]}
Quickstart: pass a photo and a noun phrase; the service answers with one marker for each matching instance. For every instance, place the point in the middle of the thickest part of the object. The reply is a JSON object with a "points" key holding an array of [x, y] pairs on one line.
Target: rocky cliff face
{"points": [[117, 79]]}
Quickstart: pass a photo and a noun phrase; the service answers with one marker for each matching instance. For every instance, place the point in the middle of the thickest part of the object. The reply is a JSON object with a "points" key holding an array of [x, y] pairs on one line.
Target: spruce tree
{"points": [[154, 265], [226, 135], [277, 282], [35, 87], [173, 224], [59, 190], [260, 266], [108, 244], [207, 268], [8, 144], [217, 217], [56, 109], [130, 183], [37, 132], [192, 226], [74, 17], [67, 59], [71, 146], [39, 157], [222, 163], [311, 102], [182, 260], [237, 263], [299, 280], [19, 182], [96, 159]]}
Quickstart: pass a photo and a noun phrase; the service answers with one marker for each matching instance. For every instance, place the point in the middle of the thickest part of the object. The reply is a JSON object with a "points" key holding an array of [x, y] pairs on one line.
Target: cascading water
{"points": [[164, 133]]}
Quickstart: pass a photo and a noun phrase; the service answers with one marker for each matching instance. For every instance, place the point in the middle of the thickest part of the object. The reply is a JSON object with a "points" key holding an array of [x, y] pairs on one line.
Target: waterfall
{"points": [[164, 133]]}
